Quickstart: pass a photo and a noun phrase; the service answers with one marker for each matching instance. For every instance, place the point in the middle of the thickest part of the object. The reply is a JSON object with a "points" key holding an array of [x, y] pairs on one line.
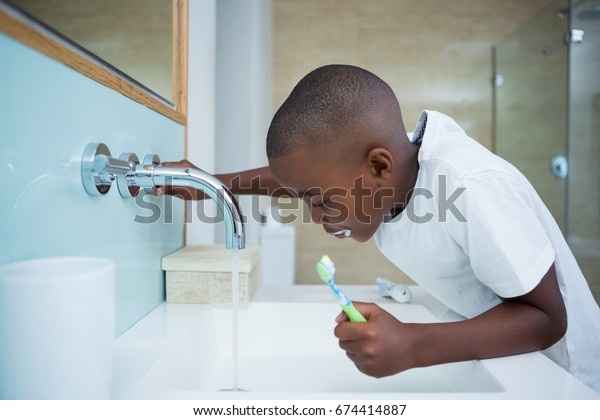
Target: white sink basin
{"points": [[290, 348], [288, 351]]}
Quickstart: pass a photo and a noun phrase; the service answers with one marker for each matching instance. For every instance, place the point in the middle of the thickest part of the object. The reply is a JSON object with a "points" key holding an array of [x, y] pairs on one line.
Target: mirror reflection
{"points": [[135, 36]]}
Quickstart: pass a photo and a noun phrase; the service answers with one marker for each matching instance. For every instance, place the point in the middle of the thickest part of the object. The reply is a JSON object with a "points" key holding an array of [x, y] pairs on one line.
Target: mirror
{"points": [[134, 36]]}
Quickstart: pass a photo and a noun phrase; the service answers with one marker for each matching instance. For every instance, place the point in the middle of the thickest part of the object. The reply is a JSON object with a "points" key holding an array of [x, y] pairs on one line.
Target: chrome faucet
{"points": [[99, 170]]}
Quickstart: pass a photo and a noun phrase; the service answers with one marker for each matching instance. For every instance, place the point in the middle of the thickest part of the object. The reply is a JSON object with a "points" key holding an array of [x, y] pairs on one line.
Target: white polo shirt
{"points": [[475, 229]]}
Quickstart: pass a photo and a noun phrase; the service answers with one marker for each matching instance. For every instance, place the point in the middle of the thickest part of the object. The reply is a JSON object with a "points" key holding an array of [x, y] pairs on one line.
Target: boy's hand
{"points": [[259, 181], [384, 346], [185, 193], [379, 347]]}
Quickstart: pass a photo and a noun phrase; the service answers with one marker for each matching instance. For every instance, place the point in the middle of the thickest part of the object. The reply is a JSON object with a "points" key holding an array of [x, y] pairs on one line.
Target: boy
{"points": [[460, 221]]}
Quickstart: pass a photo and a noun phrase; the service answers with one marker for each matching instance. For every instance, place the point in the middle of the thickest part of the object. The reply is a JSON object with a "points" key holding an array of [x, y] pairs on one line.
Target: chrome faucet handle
{"points": [[153, 160], [99, 168], [125, 183]]}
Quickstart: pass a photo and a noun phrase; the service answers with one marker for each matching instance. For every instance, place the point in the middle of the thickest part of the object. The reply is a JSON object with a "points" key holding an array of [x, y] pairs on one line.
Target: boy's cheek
{"points": [[336, 213]]}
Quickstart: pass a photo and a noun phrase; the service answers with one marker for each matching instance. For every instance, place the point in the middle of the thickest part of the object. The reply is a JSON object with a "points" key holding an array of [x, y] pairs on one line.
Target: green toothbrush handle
{"points": [[353, 313]]}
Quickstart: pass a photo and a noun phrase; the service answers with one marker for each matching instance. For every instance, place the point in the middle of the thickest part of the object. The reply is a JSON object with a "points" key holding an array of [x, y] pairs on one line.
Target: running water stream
{"points": [[235, 304]]}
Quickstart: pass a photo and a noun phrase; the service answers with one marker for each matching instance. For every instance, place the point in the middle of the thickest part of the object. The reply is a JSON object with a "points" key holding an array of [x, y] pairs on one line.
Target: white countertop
{"points": [[175, 339]]}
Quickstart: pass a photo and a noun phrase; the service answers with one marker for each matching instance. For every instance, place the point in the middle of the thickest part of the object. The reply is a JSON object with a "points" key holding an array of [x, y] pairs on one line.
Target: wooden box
{"points": [[202, 274]]}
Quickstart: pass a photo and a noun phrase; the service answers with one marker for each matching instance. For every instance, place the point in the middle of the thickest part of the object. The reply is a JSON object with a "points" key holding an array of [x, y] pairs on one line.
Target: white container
{"points": [[202, 274], [57, 326], [278, 243]]}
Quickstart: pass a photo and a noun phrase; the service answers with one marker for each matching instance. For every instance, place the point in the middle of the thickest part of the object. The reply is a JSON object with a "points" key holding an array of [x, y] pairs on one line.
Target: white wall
{"points": [[201, 106], [229, 96]]}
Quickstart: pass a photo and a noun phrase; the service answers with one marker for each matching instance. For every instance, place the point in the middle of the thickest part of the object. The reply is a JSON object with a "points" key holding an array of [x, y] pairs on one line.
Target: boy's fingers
{"points": [[363, 308], [184, 163], [351, 347], [185, 193], [350, 331], [366, 309], [342, 317]]}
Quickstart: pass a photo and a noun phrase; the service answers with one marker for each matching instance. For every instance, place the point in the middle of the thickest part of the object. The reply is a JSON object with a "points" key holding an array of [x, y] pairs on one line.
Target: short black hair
{"points": [[321, 105]]}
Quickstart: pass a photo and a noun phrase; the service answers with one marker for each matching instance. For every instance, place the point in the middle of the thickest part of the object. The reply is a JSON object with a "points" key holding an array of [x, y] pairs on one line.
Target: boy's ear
{"points": [[381, 164]]}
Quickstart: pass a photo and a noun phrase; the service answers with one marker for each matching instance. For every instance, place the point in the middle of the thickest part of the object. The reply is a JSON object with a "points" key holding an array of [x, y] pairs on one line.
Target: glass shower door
{"points": [[547, 118], [583, 206], [530, 102]]}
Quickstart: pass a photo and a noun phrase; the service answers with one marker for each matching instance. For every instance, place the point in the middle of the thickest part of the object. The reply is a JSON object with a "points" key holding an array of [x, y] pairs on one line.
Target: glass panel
{"points": [[134, 36], [531, 102], [584, 141], [44, 211]]}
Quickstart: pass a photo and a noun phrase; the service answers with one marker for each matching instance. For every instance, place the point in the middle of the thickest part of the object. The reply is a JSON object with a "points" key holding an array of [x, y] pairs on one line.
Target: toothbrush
{"points": [[326, 270]]}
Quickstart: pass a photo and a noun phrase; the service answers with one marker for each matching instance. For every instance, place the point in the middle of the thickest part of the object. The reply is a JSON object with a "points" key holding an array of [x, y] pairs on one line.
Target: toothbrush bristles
{"points": [[328, 263]]}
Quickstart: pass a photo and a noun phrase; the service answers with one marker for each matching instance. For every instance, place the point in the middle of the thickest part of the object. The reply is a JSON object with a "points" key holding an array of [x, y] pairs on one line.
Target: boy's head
{"points": [[338, 142]]}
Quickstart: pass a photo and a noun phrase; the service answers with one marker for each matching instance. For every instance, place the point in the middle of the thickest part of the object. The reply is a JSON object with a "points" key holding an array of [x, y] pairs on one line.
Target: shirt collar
{"points": [[419, 131]]}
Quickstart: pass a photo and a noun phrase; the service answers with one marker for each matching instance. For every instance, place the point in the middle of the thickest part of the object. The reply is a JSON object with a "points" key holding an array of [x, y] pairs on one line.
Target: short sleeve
{"points": [[507, 245]]}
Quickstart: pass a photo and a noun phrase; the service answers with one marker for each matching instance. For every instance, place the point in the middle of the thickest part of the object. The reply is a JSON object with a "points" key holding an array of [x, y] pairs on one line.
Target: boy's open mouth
{"points": [[341, 234]]}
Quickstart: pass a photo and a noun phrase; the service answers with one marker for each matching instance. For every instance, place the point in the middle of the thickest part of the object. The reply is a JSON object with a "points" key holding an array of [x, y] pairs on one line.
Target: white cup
{"points": [[57, 326]]}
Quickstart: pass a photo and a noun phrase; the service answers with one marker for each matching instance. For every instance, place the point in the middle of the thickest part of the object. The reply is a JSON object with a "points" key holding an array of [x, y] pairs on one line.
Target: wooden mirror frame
{"points": [[48, 43]]}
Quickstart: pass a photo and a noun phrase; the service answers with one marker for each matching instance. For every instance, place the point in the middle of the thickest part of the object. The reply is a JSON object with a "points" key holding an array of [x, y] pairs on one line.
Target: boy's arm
{"points": [[384, 346], [259, 181]]}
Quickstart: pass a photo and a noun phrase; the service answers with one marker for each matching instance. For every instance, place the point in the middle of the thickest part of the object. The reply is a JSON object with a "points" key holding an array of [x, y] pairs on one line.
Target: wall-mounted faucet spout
{"points": [[162, 175], [99, 170]]}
